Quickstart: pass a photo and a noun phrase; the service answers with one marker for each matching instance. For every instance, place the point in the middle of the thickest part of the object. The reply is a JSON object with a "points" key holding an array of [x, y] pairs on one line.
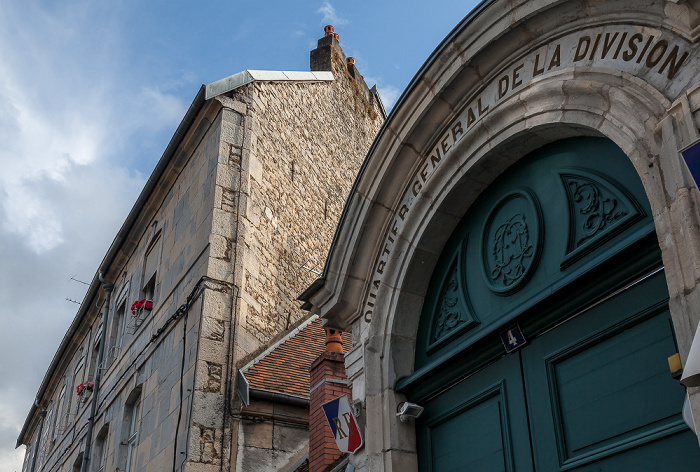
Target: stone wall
{"points": [[143, 359], [289, 153], [252, 193], [271, 436], [299, 146]]}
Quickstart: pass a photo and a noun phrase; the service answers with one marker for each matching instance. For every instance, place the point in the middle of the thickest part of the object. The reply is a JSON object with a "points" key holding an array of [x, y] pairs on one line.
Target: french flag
{"points": [[342, 422]]}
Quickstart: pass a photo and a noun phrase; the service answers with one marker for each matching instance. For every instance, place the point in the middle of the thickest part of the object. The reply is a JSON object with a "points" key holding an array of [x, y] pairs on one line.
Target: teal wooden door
{"points": [[477, 425], [558, 244], [599, 390], [592, 394]]}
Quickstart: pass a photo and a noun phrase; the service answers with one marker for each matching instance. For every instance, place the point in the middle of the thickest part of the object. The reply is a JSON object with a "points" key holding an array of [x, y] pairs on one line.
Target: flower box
{"points": [[85, 389], [139, 305]]}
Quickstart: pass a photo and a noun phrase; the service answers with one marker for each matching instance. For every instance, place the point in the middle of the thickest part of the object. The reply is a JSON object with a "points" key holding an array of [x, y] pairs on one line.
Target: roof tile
{"points": [[285, 369]]}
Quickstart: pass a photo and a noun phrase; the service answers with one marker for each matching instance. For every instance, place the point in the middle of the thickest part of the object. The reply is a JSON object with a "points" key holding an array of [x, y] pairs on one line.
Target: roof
{"points": [[204, 93], [236, 80], [284, 367]]}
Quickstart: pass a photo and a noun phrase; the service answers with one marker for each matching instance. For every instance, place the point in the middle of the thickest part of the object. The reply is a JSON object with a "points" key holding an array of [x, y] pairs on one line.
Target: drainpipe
{"points": [[42, 415], [108, 287]]}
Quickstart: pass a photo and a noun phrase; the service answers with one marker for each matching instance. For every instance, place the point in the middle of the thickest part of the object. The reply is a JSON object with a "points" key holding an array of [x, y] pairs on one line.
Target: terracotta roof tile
{"points": [[285, 369]]}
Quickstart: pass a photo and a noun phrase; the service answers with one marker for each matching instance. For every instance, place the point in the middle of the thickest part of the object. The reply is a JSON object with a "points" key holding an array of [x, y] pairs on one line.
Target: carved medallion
{"points": [[511, 242]]}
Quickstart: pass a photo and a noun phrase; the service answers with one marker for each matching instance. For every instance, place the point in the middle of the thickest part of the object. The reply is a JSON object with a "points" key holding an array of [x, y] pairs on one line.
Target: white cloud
{"points": [[69, 107], [330, 17]]}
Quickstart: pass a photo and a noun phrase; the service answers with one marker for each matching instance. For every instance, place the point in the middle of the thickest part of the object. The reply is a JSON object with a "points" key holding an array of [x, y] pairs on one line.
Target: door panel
{"points": [[598, 387], [477, 424]]}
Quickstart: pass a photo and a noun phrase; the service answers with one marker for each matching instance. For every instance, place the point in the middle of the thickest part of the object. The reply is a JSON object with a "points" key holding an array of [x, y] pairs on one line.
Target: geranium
{"points": [[85, 386], [146, 304]]}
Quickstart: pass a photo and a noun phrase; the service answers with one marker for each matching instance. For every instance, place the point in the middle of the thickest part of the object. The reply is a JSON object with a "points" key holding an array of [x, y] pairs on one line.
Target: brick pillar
{"points": [[328, 381]]}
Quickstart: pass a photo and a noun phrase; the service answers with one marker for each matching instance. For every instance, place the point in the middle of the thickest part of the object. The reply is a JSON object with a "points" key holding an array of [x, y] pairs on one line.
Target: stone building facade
{"points": [[239, 209], [519, 256]]}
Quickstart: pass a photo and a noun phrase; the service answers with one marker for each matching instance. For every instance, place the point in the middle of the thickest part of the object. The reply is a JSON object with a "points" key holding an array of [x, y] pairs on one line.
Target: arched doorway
{"points": [[558, 261]]}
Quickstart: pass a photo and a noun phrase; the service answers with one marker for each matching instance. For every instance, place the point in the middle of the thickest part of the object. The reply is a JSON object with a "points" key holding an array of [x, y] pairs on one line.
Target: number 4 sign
{"points": [[513, 338]]}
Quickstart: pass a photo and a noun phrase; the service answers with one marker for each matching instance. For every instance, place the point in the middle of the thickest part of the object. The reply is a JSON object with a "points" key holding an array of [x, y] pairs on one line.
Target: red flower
{"points": [[146, 304], [87, 385]]}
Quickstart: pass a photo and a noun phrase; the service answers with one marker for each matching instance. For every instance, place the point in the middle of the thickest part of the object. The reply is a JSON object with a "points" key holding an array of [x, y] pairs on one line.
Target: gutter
{"points": [[286, 398], [306, 295]]}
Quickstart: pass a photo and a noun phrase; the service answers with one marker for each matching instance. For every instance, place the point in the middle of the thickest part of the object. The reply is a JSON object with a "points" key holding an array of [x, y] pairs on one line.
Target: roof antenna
{"points": [[73, 278]]}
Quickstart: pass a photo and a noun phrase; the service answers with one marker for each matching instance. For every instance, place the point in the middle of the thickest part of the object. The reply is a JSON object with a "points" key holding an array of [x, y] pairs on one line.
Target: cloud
{"points": [[329, 15], [71, 105]]}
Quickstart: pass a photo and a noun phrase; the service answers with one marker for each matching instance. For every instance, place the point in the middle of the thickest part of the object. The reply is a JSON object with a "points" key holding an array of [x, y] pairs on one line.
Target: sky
{"points": [[90, 94]]}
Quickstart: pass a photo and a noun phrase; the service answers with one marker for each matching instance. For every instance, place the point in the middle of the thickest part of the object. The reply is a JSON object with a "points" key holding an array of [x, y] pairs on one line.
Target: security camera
{"points": [[406, 410]]}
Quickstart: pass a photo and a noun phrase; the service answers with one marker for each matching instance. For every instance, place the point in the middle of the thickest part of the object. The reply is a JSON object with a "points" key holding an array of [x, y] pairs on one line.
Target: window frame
{"points": [[132, 436]]}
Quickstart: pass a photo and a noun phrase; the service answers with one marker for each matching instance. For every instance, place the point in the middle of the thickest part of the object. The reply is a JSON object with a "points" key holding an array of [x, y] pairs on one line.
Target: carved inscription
{"points": [[656, 57]]}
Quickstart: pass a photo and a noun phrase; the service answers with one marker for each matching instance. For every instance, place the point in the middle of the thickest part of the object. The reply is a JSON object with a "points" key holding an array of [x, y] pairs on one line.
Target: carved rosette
{"points": [[511, 242]]}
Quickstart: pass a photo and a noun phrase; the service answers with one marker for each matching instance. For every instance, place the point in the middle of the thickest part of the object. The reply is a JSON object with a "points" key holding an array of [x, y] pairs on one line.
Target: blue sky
{"points": [[90, 94]]}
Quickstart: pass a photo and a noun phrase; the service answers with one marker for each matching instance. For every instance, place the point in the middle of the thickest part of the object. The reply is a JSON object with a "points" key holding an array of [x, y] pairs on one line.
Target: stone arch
{"points": [[392, 337], [649, 123]]}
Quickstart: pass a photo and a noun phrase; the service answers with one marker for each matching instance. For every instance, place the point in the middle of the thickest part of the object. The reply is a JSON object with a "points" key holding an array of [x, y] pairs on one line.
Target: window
{"points": [[134, 413], [150, 267], [117, 334], [78, 464], [59, 420], [101, 446], [44, 445], [78, 377], [95, 353]]}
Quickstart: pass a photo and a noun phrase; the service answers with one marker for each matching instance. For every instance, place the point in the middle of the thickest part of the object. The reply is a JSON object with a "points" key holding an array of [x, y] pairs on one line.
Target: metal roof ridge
{"points": [[247, 76]]}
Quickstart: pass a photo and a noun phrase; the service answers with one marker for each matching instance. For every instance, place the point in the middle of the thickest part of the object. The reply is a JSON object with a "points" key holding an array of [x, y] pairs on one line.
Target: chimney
{"points": [[322, 56], [328, 381]]}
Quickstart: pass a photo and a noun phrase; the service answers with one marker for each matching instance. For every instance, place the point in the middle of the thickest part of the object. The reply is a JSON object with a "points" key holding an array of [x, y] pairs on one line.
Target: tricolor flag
{"points": [[342, 422]]}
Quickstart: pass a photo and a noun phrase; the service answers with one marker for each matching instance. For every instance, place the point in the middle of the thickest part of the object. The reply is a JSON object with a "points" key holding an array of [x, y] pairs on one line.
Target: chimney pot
{"points": [[334, 342], [328, 30], [351, 61], [337, 38]]}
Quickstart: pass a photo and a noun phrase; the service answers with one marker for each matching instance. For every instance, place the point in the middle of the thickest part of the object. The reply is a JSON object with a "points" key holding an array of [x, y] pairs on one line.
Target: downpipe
{"points": [[108, 287]]}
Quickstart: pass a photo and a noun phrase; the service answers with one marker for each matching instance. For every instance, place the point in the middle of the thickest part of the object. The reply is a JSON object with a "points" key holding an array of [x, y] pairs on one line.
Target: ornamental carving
{"points": [[599, 208], [449, 314], [510, 248], [511, 242], [453, 312]]}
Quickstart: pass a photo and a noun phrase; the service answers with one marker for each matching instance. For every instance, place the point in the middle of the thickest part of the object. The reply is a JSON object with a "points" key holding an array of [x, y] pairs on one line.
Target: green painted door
{"points": [[476, 425], [559, 244], [599, 391], [592, 394]]}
